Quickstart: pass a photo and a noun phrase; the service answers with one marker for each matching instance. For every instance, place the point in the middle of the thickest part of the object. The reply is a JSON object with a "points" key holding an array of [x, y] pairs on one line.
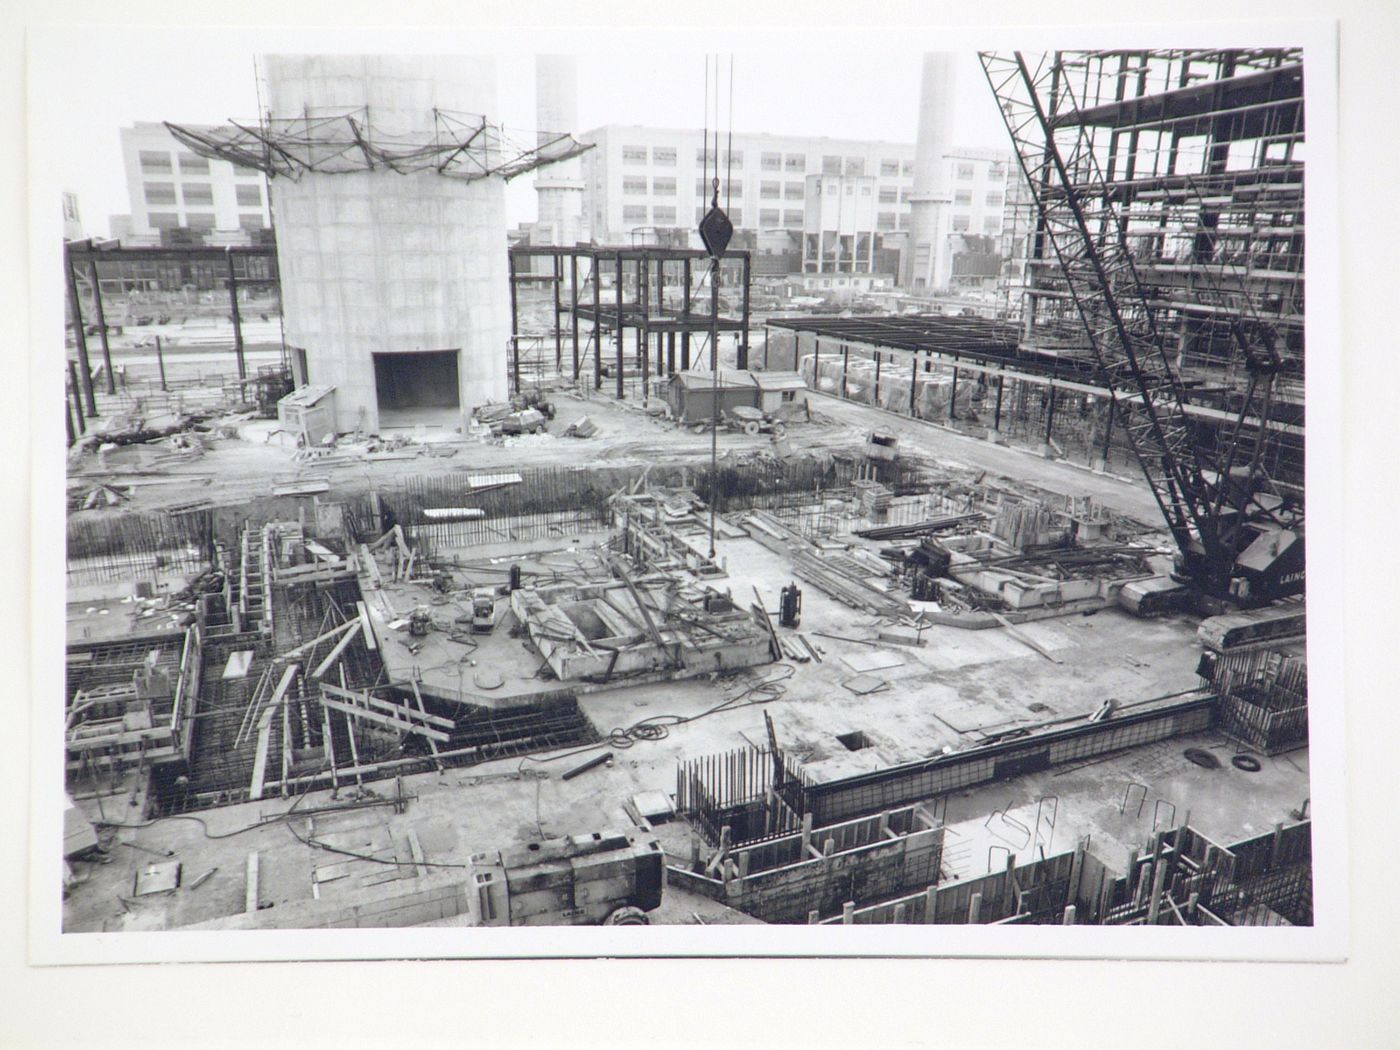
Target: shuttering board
{"points": [[238, 664], [878, 660]]}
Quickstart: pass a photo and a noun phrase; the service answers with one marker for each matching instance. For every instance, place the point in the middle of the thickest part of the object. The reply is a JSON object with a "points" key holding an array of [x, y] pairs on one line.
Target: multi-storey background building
{"points": [[640, 181], [171, 188]]}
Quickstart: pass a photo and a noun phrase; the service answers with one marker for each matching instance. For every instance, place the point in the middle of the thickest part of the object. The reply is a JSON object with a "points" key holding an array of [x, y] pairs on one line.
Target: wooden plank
{"points": [[334, 654], [419, 867], [317, 640], [385, 720], [250, 889], [418, 697], [255, 785], [371, 566], [330, 744], [238, 664], [391, 708], [1025, 639], [367, 628], [324, 553]]}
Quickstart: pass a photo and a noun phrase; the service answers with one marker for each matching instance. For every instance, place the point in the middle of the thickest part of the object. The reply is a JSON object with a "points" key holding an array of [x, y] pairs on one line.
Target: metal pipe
{"points": [[160, 362]]}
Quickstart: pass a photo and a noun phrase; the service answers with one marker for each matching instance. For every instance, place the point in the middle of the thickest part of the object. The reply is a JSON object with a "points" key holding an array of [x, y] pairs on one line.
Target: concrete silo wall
{"points": [[377, 262]]}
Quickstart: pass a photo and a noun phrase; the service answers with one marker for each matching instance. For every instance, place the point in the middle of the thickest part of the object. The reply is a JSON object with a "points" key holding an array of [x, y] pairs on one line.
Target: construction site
{"points": [[419, 577]]}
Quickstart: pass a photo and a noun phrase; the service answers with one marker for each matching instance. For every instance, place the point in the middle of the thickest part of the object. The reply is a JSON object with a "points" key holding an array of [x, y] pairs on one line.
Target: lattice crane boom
{"points": [[1079, 221]]}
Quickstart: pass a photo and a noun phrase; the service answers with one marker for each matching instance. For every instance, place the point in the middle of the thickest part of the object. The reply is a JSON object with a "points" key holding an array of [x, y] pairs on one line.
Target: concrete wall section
{"points": [[382, 262]]}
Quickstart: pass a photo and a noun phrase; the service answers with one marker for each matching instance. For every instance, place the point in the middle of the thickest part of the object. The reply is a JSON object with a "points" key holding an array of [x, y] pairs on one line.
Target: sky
{"points": [[826, 86]]}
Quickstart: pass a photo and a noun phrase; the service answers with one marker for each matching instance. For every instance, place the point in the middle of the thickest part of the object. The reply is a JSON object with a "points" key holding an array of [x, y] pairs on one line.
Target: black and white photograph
{"points": [[814, 494], [500, 495], [558, 521]]}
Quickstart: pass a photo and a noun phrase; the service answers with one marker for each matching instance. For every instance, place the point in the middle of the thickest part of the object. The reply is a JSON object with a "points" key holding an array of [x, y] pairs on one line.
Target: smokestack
{"points": [[927, 263], [558, 187]]}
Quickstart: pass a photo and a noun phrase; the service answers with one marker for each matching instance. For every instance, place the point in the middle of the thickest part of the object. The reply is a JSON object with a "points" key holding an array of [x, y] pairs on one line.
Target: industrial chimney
{"points": [[393, 275], [559, 187], [927, 263]]}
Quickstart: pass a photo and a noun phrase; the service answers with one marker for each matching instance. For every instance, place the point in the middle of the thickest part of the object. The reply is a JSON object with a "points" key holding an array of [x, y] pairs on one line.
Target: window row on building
{"points": [[162, 162], [705, 158], [248, 195], [201, 220]]}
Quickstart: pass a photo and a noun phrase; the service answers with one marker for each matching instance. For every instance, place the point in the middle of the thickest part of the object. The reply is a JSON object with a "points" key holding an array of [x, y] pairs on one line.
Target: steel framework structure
{"points": [[1120, 240], [463, 146]]}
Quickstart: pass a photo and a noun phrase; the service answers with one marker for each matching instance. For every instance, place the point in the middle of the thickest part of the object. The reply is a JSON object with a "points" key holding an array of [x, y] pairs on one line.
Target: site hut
{"points": [[308, 414], [779, 392], [693, 395]]}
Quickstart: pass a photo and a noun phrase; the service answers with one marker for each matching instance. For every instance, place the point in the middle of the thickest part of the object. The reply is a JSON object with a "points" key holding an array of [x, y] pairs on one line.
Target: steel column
{"points": [[685, 311], [514, 327], [573, 311], [878, 356], [644, 332], [595, 273], [80, 337], [744, 315], [237, 320], [102, 328], [913, 382], [1049, 413], [77, 395], [160, 362], [996, 418], [1108, 431], [845, 367], [953, 397], [558, 262], [620, 394]]}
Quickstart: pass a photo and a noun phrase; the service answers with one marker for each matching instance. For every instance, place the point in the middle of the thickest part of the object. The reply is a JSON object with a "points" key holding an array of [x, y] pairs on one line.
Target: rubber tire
{"points": [[1201, 758], [751, 428], [1248, 763], [627, 916]]}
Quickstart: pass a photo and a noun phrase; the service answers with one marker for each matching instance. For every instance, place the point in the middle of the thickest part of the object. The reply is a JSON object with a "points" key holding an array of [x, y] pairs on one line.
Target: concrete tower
{"points": [[558, 187], [394, 284], [927, 264]]}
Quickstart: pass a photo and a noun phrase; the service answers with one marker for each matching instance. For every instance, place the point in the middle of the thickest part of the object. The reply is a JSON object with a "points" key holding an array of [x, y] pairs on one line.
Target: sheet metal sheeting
{"points": [[974, 336]]}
